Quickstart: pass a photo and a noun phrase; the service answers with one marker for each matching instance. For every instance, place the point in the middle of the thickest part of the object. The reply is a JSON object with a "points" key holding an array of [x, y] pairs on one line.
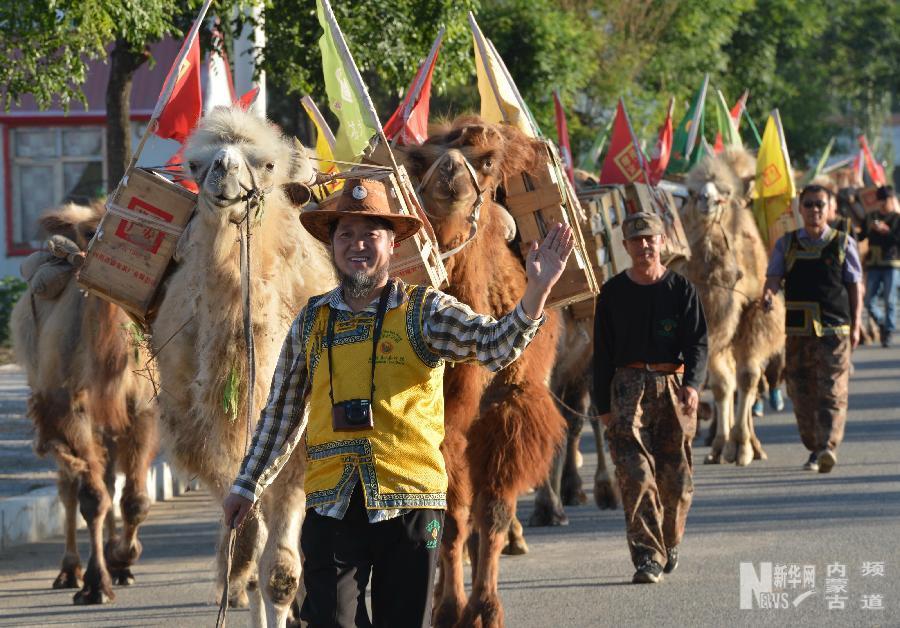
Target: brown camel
{"points": [[199, 338], [728, 268], [572, 385], [501, 429], [92, 412]]}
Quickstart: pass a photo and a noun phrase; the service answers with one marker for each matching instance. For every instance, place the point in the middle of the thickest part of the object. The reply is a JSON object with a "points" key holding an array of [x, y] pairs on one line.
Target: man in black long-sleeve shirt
{"points": [[650, 361]]}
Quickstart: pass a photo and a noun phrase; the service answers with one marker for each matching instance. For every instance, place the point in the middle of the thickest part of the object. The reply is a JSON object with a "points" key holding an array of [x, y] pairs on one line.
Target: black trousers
{"points": [[339, 555]]}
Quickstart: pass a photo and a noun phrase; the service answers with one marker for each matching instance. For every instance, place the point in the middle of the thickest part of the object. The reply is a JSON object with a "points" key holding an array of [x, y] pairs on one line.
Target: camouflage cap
{"points": [[641, 224]]}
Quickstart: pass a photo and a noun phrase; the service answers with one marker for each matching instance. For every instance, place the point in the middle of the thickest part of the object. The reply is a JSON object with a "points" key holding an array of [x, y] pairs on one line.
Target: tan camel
{"points": [[728, 267], [501, 429], [91, 411], [198, 336]]}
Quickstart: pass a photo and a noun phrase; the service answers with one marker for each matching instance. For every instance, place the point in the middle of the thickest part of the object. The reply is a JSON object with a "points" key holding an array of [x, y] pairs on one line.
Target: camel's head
{"points": [[76, 222], [715, 185], [465, 157], [233, 152]]}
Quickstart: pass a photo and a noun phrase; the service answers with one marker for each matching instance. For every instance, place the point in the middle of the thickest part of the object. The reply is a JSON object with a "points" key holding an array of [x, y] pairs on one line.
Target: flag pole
{"points": [[169, 86], [319, 119], [698, 115], [344, 51], [522, 104], [637, 149], [753, 128], [420, 79]]}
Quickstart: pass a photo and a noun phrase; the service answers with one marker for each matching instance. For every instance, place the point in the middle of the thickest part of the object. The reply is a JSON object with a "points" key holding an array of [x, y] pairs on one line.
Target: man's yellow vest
{"points": [[399, 462]]}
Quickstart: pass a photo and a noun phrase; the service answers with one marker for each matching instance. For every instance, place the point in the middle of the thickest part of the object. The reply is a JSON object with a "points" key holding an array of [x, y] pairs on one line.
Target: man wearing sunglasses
{"points": [[822, 278], [882, 228]]}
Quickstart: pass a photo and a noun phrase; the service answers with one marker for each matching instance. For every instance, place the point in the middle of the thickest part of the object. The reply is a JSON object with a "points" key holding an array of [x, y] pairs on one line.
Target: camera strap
{"points": [[376, 335]]}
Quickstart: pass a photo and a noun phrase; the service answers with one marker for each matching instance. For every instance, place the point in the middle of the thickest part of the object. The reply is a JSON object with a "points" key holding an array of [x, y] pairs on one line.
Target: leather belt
{"points": [[660, 367]]}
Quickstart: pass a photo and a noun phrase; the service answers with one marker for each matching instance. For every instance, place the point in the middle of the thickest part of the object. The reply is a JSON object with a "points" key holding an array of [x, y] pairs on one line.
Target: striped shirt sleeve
{"points": [[458, 334], [283, 420]]}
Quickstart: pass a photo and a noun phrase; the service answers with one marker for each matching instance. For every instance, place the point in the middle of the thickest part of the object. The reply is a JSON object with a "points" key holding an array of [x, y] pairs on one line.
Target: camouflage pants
{"points": [[650, 444], [817, 372]]}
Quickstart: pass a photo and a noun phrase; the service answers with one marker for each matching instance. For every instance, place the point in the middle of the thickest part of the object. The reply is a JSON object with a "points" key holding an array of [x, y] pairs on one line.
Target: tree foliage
{"points": [[51, 41], [825, 64]]}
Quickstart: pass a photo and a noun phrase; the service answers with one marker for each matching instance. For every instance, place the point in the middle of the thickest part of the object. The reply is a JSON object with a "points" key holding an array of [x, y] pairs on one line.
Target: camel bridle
{"points": [[475, 214]]}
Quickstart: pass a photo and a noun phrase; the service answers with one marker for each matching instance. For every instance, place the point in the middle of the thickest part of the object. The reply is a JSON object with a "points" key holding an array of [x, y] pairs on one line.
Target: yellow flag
{"points": [[774, 190], [324, 144], [500, 99]]}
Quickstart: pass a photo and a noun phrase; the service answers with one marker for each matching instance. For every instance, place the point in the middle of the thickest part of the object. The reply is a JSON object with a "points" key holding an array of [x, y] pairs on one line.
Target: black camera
{"points": [[352, 415]]}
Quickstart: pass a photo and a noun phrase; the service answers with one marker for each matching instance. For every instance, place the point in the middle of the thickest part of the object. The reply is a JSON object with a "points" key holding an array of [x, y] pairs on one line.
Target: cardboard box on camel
{"points": [[417, 260], [539, 200], [135, 241]]}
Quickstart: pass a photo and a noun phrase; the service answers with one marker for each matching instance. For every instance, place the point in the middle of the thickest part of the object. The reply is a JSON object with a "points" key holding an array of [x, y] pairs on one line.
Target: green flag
{"points": [[725, 123], [686, 134], [347, 95], [589, 159]]}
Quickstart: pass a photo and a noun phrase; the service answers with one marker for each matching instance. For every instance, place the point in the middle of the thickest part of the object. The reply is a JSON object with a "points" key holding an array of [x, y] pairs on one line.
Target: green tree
{"points": [[52, 41], [387, 38]]}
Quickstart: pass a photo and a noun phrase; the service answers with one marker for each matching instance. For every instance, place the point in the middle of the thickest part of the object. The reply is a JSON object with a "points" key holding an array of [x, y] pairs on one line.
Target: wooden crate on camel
{"points": [[416, 260], [618, 201], [537, 201], [135, 241]]}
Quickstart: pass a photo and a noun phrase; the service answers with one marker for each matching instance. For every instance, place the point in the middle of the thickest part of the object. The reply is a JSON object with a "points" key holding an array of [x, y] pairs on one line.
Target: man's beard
{"points": [[359, 284]]}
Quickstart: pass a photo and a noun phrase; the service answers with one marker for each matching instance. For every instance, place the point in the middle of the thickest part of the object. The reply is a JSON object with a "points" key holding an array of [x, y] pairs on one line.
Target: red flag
{"points": [[659, 161], [175, 166], [738, 110], [876, 172], [246, 101], [625, 162], [178, 115], [409, 123], [562, 136]]}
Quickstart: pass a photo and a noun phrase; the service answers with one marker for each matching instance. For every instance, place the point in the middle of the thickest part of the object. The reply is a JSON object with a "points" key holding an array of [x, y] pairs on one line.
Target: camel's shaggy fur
{"points": [[728, 268], [198, 334], [91, 411], [503, 428]]}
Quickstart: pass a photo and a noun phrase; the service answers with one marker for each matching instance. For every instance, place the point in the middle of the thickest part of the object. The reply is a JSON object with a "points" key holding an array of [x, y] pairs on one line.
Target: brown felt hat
{"points": [[361, 197], [641, 224]]}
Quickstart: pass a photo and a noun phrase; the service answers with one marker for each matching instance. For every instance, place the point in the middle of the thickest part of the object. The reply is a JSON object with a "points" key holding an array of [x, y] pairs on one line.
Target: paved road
{"points": [[578, 576], [20, 470]]}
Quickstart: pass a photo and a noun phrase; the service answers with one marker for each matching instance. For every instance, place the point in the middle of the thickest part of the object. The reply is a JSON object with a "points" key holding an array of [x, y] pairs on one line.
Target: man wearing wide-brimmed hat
{"points": [[368, 357], [650, 352]]}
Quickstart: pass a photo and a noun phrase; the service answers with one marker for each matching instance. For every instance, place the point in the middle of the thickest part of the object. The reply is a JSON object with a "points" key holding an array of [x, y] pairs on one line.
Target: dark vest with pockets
{"points": [[816, 297]]}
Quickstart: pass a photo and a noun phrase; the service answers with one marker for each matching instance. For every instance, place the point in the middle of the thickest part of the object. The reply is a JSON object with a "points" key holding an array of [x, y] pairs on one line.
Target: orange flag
{"points": [[625, 162]]}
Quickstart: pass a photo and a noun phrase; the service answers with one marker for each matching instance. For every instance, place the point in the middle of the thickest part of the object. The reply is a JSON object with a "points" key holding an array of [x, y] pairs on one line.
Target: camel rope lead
{"points": [[223, 603], [254, 195], [590, 417]]}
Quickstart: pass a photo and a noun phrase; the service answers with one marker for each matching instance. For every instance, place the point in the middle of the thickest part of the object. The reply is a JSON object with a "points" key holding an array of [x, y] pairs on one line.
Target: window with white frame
{"points": [[53, 165]]}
